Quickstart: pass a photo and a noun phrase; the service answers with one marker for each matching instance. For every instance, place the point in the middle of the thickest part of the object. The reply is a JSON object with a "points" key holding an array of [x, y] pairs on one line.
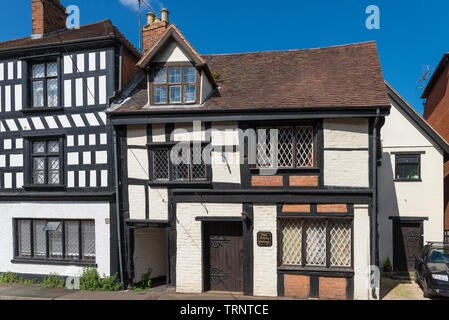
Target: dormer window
{"points": [[175, 85]]}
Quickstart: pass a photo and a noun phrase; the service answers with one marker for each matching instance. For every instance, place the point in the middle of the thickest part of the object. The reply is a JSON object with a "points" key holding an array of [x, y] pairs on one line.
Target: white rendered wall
{"points": [[409, 199], [98, 211], [189, 255], [265, 258], [150, 252], [346, 155], [361, 252]]}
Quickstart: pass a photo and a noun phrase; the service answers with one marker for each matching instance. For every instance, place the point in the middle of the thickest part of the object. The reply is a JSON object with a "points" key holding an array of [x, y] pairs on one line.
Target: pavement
{"points": [[391, 289], [36, 292]]}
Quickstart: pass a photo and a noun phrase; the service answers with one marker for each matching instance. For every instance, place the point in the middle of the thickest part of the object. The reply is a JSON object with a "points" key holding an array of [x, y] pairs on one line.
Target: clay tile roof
{"points": [[86, 32], [340, 76]]}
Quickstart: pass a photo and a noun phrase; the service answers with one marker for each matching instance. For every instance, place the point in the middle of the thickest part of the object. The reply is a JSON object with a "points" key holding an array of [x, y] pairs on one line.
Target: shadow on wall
{"points": [[388, 208]]}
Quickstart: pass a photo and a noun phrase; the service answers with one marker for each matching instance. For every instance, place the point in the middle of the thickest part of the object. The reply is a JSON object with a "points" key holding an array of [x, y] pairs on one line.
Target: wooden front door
{"points": [[223, 256], [407, 243]]}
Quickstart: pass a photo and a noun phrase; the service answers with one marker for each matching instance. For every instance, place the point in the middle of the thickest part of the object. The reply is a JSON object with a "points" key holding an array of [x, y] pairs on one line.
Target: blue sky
{"points": [[412, 34]]}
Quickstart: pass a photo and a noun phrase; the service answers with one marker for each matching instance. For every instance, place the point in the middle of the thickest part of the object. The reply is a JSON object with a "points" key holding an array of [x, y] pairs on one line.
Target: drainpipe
{"points": [[117, 204], [373, 233], [120, 70]]}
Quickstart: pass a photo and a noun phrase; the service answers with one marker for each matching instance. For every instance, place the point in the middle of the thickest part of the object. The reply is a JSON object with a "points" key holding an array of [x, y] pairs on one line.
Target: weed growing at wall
{"points": [[11, 278], [53, 281], [90, 280]]}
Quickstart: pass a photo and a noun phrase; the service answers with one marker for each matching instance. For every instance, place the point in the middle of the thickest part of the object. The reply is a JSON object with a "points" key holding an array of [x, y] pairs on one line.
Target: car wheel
{"points": [[425, 289]]}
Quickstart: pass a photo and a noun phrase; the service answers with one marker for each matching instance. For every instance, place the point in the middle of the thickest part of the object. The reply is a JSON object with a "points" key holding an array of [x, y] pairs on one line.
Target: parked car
{"points": [[432, 270]]}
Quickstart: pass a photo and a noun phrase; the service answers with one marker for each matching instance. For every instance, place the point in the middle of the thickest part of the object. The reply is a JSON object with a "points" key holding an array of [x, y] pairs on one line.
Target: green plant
{"points": [[388, 267], [53, 281], [9, 277], [27, 282], [216, 75], [90, 280], [145, 284]]}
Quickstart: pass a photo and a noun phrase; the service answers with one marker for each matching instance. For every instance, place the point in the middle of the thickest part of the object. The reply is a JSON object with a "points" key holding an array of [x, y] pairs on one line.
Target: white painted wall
{"points": [[99, 211], [409, 199], [265, 258], [344, 166], [150, 252], [361, 252], [172, 53], [189, 258]]}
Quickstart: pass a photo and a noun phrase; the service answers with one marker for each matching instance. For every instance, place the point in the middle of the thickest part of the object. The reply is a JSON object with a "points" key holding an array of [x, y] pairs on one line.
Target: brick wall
{"points": [[47, 16], [322, 208], [129, 68], [297, 286], [436, 112], [151, 34], [304, 181], [267, 181], [332, 288]]}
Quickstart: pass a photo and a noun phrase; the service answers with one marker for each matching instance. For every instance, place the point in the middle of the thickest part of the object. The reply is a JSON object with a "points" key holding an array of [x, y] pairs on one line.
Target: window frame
{"points": [[31, 80], [171, 181], [48, 259], [28, 163], [397, 156], [183, 65], [307, 267], [315, 146]]}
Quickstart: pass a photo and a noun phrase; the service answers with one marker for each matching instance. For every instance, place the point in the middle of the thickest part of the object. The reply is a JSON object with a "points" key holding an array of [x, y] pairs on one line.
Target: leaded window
{"points": [[175, 85], [316, 242], [192, 168], [46, 162], [72, 240], [44, 84], [408, 167], [294, 149]]}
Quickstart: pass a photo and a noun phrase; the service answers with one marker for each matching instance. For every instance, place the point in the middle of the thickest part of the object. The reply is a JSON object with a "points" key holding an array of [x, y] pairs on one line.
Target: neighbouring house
{"points": [[57, 179], [436, 112], [410, 183], [224, 221]]}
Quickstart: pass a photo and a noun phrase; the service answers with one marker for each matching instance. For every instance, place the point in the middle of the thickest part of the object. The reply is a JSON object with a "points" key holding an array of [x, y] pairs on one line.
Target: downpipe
{"points": [[374, 227]]}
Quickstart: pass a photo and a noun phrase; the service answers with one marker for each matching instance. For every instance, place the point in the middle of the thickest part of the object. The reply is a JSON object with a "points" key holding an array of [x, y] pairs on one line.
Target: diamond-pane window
{"points": [[187, 167], [291, 231], [316, 242], [57, 239], [46, 162], [88, 240], [40, 239], [340, 240], [304, 242], [45, 85], [72, 250], [161, 162], [24, 238], [295, 147]]}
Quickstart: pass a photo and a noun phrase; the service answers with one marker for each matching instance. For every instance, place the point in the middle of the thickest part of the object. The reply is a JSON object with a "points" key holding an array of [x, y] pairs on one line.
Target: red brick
{"points": [[333, 288], [267, 181], [47, 16], [296, 208], [304, 181], [151, 34], [332, 208], [297, 286]]}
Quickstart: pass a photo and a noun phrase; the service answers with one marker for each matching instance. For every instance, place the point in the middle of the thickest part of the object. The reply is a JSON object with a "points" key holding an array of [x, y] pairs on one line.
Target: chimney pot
{"points": [[164, 15], [157, 19], [150, 18]]}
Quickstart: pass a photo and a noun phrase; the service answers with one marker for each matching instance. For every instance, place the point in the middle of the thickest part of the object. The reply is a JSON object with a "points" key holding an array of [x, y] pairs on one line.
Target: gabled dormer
{"points": [[176, 74]]}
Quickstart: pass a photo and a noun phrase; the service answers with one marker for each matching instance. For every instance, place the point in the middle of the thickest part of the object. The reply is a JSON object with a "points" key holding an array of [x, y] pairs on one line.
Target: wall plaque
{"points": [[264, 239]]}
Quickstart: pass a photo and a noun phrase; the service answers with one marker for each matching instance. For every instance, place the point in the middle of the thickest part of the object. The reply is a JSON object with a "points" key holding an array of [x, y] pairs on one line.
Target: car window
{"points": [[439, 256]]}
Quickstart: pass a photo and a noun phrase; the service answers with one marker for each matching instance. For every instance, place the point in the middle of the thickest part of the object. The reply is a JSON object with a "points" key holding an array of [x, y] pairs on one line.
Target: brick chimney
{"points": [[154, 29], [47, 16]]}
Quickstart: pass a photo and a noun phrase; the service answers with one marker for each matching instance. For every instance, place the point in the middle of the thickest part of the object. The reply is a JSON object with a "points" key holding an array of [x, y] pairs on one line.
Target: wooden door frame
{"points": [[397, 221], [204, 248]]}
